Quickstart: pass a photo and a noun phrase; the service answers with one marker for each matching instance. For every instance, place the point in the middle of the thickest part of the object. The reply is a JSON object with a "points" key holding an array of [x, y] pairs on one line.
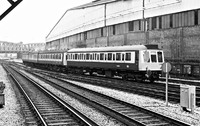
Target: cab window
{"points": [[160, 59]]}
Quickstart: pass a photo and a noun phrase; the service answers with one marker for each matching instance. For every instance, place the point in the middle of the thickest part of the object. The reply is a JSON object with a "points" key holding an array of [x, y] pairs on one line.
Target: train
{"points": [[138, 62]]}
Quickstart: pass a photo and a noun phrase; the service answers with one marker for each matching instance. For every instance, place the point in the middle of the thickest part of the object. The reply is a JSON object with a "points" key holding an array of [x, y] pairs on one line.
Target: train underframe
{"points": [[125, 75]]}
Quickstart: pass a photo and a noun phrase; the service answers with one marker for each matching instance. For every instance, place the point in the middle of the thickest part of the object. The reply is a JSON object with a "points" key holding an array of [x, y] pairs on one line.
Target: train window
{"points": [[87, 56], [113, 57], [91, 56], [128, 57], [84, 57], [136, 56], [68, 56], [153, 58], [122, 56], [97, 56], [106, 56], [101, 56], [118, 56], [76, 56], [109, 56], [160, 59]]}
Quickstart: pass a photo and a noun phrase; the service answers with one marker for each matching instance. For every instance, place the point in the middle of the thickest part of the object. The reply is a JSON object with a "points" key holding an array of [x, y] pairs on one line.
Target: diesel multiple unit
{"points": [[139, 62]]}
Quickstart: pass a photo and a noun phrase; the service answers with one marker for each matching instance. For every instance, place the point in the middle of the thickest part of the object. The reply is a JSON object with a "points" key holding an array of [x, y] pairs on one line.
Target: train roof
{"points": [[52, 51], [114, 48]]}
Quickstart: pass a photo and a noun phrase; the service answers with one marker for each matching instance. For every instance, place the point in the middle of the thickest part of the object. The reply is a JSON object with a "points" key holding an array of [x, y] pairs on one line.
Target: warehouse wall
{"points": [[172, 24]]}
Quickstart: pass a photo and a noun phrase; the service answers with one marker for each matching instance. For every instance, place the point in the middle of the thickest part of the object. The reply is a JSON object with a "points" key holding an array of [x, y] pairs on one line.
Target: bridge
{"points": [[8, 49]]}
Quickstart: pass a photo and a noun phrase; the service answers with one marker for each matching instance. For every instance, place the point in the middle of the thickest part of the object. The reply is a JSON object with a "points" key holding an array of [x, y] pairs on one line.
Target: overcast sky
{"points": [[32, 20]]}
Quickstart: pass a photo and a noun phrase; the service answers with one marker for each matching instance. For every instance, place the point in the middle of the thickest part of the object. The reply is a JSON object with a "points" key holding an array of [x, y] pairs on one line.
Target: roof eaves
{"points": [[94, 3]]}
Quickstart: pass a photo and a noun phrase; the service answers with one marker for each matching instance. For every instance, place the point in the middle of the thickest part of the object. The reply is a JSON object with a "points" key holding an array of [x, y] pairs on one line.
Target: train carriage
{"points": [[137, 61], [30, 58]]}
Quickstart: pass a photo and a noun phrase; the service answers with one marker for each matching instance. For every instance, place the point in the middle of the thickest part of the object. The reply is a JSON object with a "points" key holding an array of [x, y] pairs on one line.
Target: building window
{"points": [[196, 17], [130, 26], [114, 29], [160, 22], [101, 32], [171, 21], [154, 23], [139, 24], [85, 35]]}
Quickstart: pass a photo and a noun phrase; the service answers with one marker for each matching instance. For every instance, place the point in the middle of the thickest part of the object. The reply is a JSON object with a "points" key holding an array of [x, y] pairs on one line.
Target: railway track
{"points": [[127, 113], [44, 108], [155, 90]]}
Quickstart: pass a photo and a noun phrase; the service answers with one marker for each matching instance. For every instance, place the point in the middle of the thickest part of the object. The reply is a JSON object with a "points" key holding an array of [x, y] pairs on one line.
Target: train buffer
{"points": [[2, 98]]}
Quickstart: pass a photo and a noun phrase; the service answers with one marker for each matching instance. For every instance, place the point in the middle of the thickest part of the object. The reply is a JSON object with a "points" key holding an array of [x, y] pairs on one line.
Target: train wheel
{"points": [[151, 79], [124, 77]]}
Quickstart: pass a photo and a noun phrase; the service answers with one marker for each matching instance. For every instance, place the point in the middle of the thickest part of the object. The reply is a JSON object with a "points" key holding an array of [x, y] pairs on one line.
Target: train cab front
{"points": [[151, 63]]}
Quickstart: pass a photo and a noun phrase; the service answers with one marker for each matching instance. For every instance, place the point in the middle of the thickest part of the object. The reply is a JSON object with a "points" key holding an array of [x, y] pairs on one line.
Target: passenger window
{"points": [[106, 56], [118, 56], [91, 57], [76, 56], [122, 56], [153, 58], [83, 56], [109, 56], [87, 56], [101, 56], [97, 56], [128, 57], [113, 57]]}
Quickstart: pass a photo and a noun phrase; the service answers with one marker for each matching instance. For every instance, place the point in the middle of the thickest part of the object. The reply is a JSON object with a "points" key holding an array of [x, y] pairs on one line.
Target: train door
{"points": [[64, 58]]}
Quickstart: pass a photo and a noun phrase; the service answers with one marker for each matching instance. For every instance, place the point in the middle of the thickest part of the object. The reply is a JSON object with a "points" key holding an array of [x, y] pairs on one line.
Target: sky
{"points": [[32, 20]]}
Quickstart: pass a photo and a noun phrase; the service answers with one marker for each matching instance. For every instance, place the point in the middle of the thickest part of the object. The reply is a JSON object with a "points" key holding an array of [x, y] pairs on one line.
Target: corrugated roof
{"points": [[93, 3]]}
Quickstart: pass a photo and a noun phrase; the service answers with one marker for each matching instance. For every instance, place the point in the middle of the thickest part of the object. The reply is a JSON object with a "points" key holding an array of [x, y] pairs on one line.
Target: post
{"points": [[192, 103], [166, 68], [166, 95]]}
